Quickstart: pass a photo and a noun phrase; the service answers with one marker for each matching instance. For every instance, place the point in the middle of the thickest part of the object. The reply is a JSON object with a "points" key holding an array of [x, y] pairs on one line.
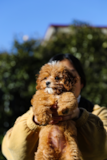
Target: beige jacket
{"points": [[21, 141]]}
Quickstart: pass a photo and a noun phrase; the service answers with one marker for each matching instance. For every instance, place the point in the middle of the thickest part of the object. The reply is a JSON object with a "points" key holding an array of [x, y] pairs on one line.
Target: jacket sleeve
{"points": [[101, 112], [21, 141], [91, 133]]}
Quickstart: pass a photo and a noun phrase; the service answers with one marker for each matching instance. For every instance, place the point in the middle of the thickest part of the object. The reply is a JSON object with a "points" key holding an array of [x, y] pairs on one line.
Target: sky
{"points": [[31, 18]]}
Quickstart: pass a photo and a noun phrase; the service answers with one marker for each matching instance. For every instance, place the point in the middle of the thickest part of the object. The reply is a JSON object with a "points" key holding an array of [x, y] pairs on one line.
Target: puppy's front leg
{"points": [[67, 102], [42, 103]]}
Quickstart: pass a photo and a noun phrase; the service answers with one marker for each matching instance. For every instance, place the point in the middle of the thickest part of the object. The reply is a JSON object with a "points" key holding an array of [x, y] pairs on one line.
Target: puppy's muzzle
{"points": [[48, 83]]}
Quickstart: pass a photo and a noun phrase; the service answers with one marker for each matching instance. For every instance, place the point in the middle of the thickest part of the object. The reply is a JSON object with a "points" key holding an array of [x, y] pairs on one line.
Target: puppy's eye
{"points": [[45, 78], [57, 78]]}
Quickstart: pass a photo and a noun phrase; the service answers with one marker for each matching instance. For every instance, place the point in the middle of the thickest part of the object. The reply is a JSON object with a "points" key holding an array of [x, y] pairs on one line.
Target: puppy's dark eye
{"points": [[57, 78], [45, 78]]}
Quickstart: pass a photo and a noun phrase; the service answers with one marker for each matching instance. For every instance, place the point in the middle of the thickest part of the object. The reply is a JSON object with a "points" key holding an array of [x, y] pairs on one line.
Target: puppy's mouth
{"points": [[49, 90], [57, 89]]}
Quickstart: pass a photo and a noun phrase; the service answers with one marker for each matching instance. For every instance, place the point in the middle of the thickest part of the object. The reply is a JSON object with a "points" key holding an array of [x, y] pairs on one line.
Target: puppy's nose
{"points": [[48, 83]]}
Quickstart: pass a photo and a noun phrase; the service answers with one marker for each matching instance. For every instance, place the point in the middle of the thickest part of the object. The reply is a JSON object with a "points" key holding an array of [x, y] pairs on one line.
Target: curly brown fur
{"points": [[61, 78], [55, 84]]}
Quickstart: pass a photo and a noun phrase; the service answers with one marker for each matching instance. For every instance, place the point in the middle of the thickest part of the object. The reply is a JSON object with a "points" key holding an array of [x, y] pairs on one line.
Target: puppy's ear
{"points": [[69, 80], [37, 82]]}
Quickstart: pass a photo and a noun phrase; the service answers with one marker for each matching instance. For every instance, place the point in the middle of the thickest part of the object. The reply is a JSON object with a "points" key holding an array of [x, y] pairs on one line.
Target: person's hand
{"points": [[74, 115], [55, 118]]}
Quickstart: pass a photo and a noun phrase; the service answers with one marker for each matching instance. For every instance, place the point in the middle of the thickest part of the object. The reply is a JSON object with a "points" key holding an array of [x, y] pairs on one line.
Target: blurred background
{"points": [[33, 31]]}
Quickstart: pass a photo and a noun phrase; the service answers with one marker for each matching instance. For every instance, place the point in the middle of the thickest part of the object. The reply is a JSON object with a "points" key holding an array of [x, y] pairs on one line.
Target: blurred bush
{"points": [[18, 69]]}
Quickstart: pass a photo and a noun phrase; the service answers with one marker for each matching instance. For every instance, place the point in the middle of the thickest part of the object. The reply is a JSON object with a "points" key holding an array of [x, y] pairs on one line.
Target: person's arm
{"points": [[21, 141], [101, 112], [92, 136]]}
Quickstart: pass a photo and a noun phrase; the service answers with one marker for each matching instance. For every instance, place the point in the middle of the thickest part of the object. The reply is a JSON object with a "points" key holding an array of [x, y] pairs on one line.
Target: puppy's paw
{"points": [[43, 99], [42, 103], [67, 102], [43, 116]]}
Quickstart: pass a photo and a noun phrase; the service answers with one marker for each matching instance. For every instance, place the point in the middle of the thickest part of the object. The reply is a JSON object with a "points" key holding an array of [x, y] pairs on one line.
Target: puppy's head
{"points": [[55, 78]]}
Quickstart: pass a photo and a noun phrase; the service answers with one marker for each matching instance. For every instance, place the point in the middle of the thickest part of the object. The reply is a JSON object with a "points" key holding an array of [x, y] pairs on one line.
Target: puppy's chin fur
{"points": [[49, 90]]}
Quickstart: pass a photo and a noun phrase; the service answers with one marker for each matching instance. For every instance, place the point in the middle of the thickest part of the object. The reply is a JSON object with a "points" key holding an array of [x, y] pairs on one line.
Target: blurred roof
{"points": [[53, 29]]}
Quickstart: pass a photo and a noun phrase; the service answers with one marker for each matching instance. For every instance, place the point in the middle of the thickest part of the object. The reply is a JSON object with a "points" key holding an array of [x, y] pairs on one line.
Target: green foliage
{"points": [[17, 82], [18, 69]]}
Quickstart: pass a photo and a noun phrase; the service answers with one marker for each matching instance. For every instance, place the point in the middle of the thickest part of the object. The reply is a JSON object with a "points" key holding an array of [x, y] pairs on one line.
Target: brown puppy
{"points": [[55, 85]]}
